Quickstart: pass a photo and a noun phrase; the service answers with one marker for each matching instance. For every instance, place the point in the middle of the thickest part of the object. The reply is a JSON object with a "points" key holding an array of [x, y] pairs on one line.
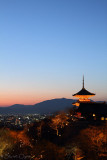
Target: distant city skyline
{"points": [[47, 46]]}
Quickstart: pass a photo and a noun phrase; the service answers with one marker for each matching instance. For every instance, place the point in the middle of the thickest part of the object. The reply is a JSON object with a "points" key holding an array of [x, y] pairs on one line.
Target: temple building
{"points": [[83, 96], [88, 109]]}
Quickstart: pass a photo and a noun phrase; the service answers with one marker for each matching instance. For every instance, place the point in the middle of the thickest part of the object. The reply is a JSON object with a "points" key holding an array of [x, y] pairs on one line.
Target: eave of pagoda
{"points": [[84, 96]]}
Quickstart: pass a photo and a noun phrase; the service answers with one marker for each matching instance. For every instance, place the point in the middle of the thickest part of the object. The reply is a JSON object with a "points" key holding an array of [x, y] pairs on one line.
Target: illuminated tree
{"points": [[20, 136], [59, 121], [6, 141], [92, 141]]}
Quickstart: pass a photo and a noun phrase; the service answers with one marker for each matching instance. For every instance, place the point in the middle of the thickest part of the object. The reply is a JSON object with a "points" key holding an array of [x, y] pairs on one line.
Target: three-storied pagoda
{"points": [[83, 96]]}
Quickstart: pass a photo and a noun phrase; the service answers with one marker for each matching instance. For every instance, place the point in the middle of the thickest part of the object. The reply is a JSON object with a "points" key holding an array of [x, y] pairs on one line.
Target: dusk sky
{"points": [[47, 45]]}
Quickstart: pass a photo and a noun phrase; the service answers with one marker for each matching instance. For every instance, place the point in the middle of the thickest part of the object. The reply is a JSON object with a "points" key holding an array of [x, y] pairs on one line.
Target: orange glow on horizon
{"points": [[9, 99]]}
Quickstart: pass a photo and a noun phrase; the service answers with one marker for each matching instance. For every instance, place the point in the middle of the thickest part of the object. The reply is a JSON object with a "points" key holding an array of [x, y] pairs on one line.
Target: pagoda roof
{"points": [[83, 91]]}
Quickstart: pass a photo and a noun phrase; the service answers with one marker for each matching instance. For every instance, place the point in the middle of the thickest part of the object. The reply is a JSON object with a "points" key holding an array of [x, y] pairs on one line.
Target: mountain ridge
{"points": [[45, 107]]}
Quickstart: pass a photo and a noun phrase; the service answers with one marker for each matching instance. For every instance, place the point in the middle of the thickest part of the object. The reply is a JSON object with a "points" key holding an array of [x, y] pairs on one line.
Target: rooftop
{"points": [[83, 91]]}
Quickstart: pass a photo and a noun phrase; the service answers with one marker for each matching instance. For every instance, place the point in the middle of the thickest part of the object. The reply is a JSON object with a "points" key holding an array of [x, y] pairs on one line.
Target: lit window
{"points": [[102, 118], [93, 115]]}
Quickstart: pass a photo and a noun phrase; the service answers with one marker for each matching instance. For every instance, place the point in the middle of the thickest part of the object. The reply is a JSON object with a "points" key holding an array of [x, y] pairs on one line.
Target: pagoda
{"points": [[83, 96]]}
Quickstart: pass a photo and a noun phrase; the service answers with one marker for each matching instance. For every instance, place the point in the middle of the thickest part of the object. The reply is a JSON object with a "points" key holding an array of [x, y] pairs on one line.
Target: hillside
{"points": [[45, 107]]}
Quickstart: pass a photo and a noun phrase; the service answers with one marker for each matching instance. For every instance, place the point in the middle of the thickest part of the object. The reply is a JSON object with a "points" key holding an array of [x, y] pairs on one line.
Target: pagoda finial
{"points": [[83, 82]]}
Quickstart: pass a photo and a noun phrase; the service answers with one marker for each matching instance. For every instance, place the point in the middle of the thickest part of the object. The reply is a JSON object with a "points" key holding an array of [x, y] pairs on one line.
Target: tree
{"points": [[59, 121]]}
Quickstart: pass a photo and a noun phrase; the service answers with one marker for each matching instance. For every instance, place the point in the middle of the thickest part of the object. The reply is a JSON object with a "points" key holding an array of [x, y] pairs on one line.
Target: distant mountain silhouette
{"points": [[45, 107]]}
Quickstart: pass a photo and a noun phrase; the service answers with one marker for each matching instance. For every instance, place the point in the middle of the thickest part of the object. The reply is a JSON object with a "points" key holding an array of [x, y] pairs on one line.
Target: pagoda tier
{"points": [[83, 95]]}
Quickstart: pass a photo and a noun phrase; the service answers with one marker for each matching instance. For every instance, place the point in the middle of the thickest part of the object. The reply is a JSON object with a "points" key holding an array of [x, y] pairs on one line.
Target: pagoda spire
{"points": [[83, 95], [83, 82]]}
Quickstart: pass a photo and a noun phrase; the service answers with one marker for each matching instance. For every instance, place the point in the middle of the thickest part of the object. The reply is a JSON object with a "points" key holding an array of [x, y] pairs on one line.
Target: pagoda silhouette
{"points": [[83, 96], [88, 109]]}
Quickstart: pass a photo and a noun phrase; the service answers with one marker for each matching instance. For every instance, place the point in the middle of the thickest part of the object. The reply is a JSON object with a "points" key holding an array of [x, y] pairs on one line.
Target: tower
{"points": [[83, 95]]}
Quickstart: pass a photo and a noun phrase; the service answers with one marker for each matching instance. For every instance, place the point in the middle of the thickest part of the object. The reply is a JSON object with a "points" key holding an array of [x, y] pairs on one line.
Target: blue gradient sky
{"points": [[47, 45]]}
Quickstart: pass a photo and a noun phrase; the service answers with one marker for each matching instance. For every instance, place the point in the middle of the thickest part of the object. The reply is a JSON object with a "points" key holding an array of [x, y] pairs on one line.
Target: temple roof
{"points": [[83, 91]]}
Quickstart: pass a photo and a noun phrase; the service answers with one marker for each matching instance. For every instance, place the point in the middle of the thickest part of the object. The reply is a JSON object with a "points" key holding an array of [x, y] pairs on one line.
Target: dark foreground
{"points": [[59, 137]]}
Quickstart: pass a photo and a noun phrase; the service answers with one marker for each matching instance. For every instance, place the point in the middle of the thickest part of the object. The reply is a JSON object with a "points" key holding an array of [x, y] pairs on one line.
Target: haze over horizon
{"points": [[47, 46]]}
